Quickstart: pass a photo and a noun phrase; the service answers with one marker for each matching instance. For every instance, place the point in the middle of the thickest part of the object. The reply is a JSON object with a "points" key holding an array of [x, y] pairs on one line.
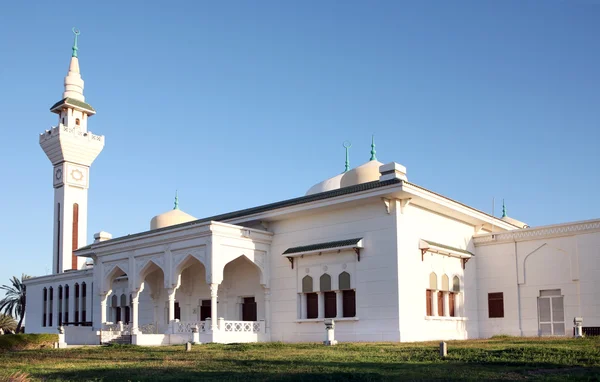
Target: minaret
{"points": [[71, 148]]}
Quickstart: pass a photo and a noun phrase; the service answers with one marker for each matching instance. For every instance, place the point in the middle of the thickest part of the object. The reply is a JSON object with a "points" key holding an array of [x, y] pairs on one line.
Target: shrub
{"points": [[17, 376], [27, 341], [7, 323]]}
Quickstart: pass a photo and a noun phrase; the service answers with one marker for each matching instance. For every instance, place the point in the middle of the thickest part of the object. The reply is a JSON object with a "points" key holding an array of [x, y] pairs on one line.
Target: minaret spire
{"points": [[503, 209], [373, 152], [73, 81], [75, 48], [176, 206], [347, 146]]}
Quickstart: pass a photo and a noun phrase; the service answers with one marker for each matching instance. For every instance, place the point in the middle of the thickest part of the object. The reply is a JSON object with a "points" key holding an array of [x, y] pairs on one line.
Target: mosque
{"points": [[386, 259]]}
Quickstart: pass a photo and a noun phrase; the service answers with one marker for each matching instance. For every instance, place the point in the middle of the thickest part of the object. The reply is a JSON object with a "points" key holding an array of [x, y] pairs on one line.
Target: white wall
{"points": [[35, 303], [416, 223], [521, 270], [375, 277]]}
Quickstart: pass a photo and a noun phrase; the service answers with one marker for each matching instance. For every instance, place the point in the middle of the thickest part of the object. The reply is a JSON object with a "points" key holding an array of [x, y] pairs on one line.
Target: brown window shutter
{"points": [[349, 303], [330, 308], [428, 297], [440, 301], [496, 305], [451, 302], [312, 305]]}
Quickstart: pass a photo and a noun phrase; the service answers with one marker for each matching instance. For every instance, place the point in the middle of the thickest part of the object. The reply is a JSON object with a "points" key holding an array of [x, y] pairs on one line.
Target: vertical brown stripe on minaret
{"points": [[75, 235]]}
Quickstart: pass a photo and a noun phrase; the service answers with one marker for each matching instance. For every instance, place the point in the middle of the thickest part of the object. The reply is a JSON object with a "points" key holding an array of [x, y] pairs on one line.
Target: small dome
{"points": [[364, 173], [173, 217], [326, 185]]}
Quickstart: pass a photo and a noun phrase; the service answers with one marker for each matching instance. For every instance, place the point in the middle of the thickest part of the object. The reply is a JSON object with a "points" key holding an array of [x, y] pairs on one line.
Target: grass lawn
{"points": [[495, 359]]}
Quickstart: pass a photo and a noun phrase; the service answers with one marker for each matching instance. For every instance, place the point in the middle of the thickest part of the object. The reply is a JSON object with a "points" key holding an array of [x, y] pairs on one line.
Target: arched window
{"points": [[456, 284], [325, 283], [344, 280], [76, 318], [45, 307], [307, 284], [312, 299], [123, 300], [60, 304], [50, 306], [433, 281], [83, 302], [77, 121], [430, 293], [445, 283]]}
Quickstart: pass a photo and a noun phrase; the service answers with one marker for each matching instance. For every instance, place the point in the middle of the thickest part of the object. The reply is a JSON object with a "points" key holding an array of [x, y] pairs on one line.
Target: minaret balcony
{"points": [[63, 143]]}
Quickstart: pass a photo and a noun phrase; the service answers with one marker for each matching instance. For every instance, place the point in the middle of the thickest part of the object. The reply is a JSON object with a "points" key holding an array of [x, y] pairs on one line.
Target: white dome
{"points": [[364, 173], [326, 185], [173, 217]]}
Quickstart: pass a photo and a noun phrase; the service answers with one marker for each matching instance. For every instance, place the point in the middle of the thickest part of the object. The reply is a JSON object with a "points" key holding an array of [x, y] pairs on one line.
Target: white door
{"points": [[551, 313]]}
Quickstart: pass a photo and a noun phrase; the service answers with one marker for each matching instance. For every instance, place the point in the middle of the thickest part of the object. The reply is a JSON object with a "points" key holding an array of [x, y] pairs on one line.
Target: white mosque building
{"points": [[386, 259]]}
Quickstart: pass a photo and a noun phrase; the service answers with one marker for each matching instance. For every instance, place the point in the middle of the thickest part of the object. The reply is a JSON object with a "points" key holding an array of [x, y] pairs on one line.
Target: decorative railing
{"points": [[243, 326], [117, 328], [188, 327], [148, 329], [108, 327]]}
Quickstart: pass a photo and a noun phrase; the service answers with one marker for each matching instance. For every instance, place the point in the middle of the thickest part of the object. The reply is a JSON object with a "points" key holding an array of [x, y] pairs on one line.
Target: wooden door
{"points": [[205, 310], [249, 309]]}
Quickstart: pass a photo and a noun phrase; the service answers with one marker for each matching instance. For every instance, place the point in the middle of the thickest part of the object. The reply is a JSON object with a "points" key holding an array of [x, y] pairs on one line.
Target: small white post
{"points": [[329, 332], [188, 346], [578, 323], [195, 335], [443, 349]]}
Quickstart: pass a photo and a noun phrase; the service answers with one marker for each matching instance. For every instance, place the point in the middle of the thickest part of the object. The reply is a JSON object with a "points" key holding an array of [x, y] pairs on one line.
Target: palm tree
{"points": [[7, 323], [13, 302]]}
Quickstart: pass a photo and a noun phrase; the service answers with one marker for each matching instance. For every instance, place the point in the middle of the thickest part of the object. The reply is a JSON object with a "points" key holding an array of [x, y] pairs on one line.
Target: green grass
{"points": [[27, 341], [495, 359]]}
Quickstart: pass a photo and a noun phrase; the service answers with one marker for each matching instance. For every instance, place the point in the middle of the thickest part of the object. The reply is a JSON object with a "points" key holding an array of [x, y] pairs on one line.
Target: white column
{"points": [[213, 306], [65, 303], [446, 304], [88, 304], [103, 298], [56, 303], [267, 309], [171, 297], [302, 306], [50, 310], [321, 310], [339, 304], [81, 304], [135, 300]]}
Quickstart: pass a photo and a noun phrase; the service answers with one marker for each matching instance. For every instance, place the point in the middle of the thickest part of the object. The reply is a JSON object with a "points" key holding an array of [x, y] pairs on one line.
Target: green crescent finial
{"points": [[176, 207], [373, 152], [503, 209], [347, 146], [75, 48]]}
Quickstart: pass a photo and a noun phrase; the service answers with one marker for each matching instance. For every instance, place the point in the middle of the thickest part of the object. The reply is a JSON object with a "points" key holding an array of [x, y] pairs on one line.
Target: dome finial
{"points": [[75, 48], [347, 146], [373, 152], [503, 209], [176, 207]]}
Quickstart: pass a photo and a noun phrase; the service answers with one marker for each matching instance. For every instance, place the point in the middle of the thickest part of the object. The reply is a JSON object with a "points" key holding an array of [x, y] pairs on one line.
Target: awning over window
{"points": [[442, 249], [330, 246], [327, 247]]}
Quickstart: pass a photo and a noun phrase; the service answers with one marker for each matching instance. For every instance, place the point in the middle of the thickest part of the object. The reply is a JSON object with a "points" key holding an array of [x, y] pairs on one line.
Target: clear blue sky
{"points": [[237, 104]]}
